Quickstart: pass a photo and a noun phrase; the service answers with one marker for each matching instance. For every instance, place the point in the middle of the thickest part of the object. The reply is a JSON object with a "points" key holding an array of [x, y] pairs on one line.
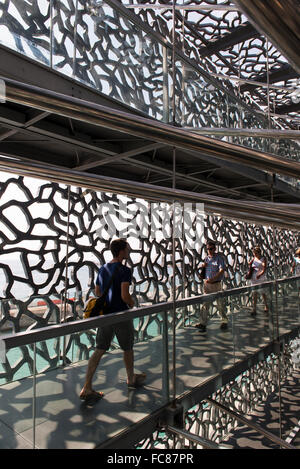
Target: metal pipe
{"points": [[173, 282], [152, 130], [194, 438], [51, 32], [59, 330], [34, 396], [182, 7], [250, 424], [165, 358], [263, 133], [264, 214], [173, 209], [261, 84]]}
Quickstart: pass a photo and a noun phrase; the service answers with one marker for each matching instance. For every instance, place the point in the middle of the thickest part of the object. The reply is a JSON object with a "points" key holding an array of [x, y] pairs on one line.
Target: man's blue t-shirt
{"points": [[214, 265], [113, 297]]}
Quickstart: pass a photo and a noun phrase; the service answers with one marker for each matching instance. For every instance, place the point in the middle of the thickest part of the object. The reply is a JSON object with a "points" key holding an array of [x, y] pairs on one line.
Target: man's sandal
{"points": [[138, 380], [91, 396]]}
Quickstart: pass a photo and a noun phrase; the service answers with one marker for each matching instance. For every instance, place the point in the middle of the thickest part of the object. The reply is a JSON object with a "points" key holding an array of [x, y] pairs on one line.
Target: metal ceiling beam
{"points": [[236, 36], [284, 73], [22, 151], [146, 128], [186, 177], [279, 20], [56, 133], [119, 157], [287, 108], [128, 156], [238, 188], [35, 118]]}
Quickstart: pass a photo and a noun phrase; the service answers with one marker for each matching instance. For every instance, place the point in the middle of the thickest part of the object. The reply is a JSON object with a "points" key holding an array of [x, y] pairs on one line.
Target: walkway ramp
{"points": [[62, 421]]}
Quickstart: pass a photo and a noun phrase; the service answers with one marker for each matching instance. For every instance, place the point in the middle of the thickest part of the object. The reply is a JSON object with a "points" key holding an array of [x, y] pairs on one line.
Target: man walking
{"points": [[119, 299], [215, 267]]}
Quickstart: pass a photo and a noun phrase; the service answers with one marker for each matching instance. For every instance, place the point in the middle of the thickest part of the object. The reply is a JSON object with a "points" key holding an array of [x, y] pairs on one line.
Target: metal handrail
{"points": [[59, 330]]}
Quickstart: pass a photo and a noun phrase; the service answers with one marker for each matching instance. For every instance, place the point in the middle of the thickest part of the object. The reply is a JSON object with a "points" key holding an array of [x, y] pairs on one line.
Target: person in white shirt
{"points": [[259, 268], [215, 267], [295, 270]]}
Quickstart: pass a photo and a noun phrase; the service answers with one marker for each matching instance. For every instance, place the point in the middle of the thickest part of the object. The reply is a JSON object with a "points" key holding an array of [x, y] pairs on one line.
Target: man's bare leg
{"points": [[92, 366], [266, 302], [132, 378], [128, 360], [254, 303]]}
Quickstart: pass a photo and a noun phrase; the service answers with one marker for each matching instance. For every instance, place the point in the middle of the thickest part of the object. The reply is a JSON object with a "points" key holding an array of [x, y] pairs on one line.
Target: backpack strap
{"points": [[100, 300], [111, 281]]}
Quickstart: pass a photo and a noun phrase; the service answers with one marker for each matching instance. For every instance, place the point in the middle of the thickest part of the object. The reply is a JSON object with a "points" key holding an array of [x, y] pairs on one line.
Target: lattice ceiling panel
{"points": [[228, 44]]}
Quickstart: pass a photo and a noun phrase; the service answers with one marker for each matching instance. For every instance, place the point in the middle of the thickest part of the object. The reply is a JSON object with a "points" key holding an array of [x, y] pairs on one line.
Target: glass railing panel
{"points": [[25, 32], [62, 420], [253, 320], [104, 49], [235, 114], [288, 305], [17, 365], [117, 58], [34, 313], [64, 37], [203, 352], [16, 418], [150, 292], [201, 103], [250, 120]]}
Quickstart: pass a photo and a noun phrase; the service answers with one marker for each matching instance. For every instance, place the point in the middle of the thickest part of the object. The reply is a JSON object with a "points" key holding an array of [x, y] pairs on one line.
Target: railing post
{"points": [[166, 106], [165, 358], [34, 395]]}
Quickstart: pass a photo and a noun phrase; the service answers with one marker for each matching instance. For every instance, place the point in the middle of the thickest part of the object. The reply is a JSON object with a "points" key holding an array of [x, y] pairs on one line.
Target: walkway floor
{"points": [[63, 421]]}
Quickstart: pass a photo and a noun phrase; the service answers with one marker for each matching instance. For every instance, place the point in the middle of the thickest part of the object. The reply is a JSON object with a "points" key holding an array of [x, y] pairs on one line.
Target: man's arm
{"points": [[216, 277], [125, 295], [97, 290], [264, 264], [203, 264], [293, 267]]}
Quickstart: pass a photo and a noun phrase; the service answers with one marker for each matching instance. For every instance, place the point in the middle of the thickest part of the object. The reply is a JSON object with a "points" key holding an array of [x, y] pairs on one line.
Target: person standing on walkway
{"points": [[119, 299], [214, 268], [295, 270], [259, 268]]}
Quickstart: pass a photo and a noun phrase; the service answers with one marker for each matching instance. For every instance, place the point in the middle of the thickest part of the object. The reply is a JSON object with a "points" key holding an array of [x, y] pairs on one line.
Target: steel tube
{"points": [[182, 7], [255, 212], [59, 330], [262, 133], [152, 130], [194, 438]]}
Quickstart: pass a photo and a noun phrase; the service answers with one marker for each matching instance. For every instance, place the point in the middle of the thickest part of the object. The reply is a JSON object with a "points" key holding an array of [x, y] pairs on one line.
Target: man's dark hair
{"points": [[118, 245], [211, 243]]}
